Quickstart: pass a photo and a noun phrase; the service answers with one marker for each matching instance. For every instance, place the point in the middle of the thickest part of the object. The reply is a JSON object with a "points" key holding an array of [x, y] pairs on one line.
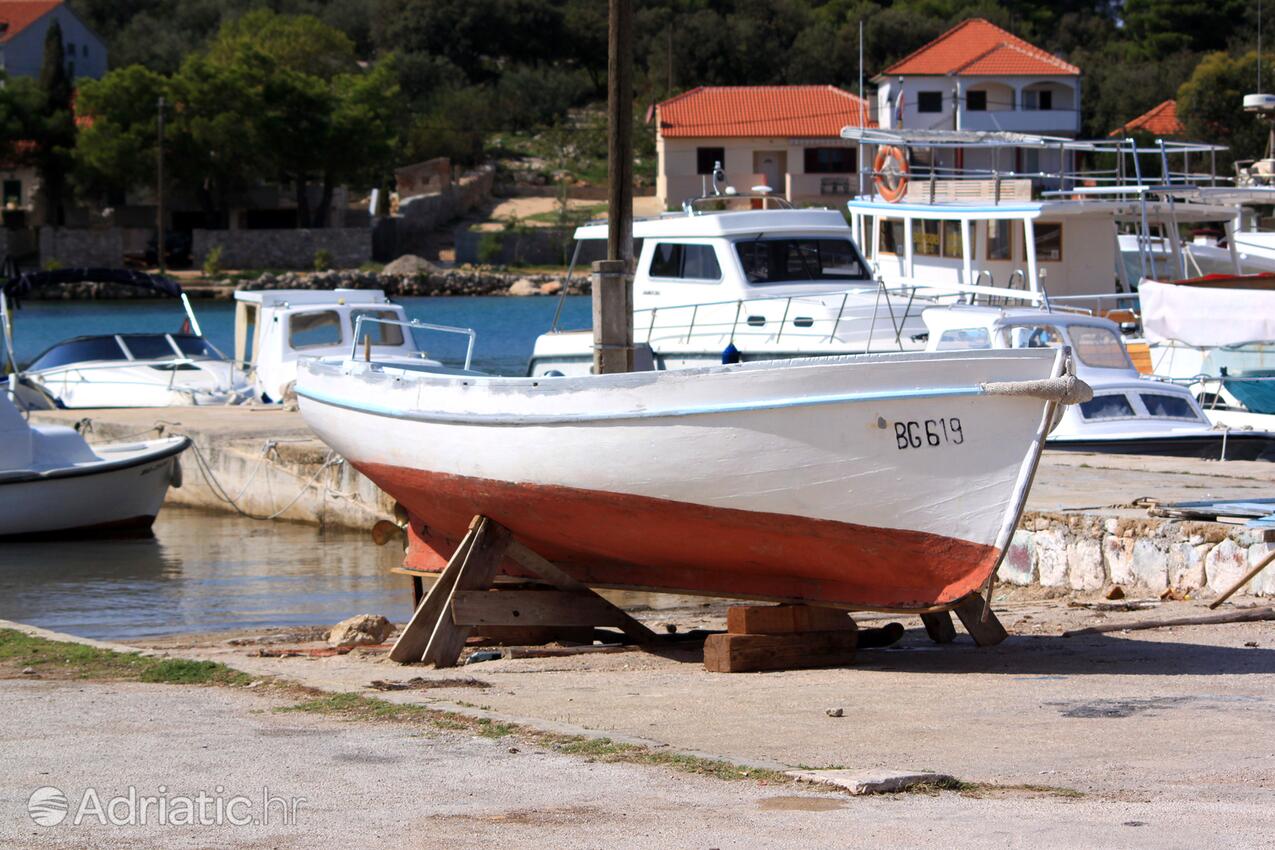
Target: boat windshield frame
{"points": [[210, 353], [866, 276]]}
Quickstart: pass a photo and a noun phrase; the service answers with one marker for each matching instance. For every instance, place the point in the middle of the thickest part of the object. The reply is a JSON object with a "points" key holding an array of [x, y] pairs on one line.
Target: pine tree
{"points": [[58, 136]]}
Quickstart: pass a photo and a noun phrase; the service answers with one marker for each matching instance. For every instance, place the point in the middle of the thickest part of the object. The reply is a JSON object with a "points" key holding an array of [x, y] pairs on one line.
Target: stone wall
{"points": [[525, 245], [421, 215], [70, 246], [1086, 552], [349, 247]]}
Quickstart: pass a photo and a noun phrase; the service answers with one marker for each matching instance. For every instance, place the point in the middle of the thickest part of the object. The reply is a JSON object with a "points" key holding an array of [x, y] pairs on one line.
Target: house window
{"points": [[1042, 100], [706, 158], [676, 260], [84, 51], [830, 161], [925, 237], [976, 101], [998, 244], [929, 101], [70, 48], [12, 193]]}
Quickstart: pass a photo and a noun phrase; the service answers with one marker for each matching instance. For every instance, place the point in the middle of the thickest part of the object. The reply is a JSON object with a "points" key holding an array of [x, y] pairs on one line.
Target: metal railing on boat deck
{"points": [[360, 339]]}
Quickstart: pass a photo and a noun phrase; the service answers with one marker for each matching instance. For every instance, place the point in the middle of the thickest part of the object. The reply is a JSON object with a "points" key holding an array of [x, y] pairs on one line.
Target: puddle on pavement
{"points": [[802, 804]]}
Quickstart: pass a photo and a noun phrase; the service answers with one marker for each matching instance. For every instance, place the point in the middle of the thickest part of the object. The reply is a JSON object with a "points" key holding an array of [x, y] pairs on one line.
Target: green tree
{"points": [[115, 149], [56, 137], [1210, 104]]}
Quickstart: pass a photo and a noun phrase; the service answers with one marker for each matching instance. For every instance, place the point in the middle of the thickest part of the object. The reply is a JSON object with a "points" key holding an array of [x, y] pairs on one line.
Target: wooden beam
{"points": [[411, 644], [939, 627], [532, 608], [727, 653], [480, 566], [785, 619], [985, 633]]}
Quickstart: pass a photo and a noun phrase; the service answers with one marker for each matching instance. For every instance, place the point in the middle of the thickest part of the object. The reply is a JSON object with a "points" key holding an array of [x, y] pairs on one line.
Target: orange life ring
{"points": [[890, 172]]}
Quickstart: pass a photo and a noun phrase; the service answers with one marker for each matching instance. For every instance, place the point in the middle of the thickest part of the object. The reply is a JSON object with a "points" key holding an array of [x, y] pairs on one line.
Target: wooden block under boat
{"points": [[785, 619], [731, 653]]}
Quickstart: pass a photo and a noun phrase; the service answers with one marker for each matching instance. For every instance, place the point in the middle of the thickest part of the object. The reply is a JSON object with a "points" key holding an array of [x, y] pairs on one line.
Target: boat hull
{"points": [[1236, 445], [794, 481], [116, 497]]}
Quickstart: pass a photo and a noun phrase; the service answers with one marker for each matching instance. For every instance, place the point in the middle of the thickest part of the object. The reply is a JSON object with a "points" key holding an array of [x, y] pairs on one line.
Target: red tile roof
{"points": [[979, 47], [714, 111], [17, 15], [1161, 120]]}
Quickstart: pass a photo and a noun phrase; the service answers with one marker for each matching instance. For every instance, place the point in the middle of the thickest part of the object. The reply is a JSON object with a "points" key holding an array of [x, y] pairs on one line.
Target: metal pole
{"points": [[159, 189], [612, 278]]}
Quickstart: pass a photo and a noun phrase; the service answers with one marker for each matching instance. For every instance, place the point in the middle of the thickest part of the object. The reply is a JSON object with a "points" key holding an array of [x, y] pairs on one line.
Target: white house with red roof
{"points": [[784, 137], [23, 25], [977, 76]]}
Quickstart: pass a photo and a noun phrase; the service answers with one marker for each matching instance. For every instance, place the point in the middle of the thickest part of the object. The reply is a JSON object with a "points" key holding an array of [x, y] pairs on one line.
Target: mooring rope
{"points": [[218, 490]]}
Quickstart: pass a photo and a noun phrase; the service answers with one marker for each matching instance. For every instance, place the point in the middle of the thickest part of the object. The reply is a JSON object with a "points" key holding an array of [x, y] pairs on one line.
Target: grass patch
{"points": [[62, 660], [992, 789]]}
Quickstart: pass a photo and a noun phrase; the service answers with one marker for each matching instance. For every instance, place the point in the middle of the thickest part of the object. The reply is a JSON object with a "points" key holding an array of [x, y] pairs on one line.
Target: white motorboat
{"points": [[742, 277], [1129, 413], [890, 481], [54, 484], [275, 328], [120, 369]]}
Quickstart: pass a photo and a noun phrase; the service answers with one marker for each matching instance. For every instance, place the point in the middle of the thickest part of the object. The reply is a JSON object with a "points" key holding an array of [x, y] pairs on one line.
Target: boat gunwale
{"points": [[176, 446]]}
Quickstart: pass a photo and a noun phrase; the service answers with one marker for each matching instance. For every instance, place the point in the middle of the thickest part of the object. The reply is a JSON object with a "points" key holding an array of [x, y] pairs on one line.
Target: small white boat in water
{"points": [[120, 369], [54, 484], [890, 481]]}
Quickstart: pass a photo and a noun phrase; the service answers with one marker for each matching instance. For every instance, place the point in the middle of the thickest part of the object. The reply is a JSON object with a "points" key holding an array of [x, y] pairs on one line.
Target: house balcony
{"points": [[1042, 121]]}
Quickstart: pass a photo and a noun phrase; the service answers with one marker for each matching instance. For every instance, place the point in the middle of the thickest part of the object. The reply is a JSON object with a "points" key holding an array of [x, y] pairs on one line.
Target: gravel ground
{"points": [[374, 784]]}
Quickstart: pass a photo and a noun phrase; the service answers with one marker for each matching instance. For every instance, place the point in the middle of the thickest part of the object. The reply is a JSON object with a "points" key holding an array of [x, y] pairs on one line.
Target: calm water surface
{"points": [[507, 327], [202, 572]]}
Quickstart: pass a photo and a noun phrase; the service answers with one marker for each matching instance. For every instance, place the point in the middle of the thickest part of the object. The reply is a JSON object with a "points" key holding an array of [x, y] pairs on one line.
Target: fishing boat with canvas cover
{"points": [[879, 481]]}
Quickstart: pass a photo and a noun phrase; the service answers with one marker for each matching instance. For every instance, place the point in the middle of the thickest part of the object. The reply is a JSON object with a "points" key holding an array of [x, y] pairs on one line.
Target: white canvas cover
{"points": [[1206, 316]]}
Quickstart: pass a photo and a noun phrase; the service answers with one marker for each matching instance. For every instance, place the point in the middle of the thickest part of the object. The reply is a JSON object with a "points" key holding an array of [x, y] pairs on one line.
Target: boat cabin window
{"points": [[782, 260], [196, 347], [953, 243], [891, 236], [1164, 406], [963, 339], [310, 330], [998, 240], [925, 237], [679, 260], [1035, 336], [79, 351], [148, 346], [1109, 406], [1099, 348], [1048, 239], [381, 334]]}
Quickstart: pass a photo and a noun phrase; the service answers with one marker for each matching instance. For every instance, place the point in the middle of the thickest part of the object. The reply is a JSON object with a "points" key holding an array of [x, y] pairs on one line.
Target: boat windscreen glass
{"points": [[380, 334], [149, 346], [196, 347], [79, 350], [786, 260], [1169, 406], [314, 329], [1109, 406], [1100, 348]]}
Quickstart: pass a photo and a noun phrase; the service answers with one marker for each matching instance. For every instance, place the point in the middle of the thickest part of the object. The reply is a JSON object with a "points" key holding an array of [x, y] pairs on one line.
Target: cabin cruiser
{"points": [[122, 369], [736, 277], [276, 328], [1129, 413], [53, 483], [1216, 335]]}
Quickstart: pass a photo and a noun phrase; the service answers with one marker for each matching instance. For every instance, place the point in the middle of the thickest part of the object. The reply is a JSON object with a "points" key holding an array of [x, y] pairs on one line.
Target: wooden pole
{"points": [[1249, 576], [612, 286], [159, 188]]}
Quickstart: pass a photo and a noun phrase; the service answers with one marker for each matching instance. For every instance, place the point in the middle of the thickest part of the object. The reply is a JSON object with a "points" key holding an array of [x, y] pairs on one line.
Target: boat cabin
{"points": [[273, 328]]}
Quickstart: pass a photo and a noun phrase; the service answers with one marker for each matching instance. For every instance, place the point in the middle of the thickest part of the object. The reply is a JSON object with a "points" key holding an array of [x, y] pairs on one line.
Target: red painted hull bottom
{"points": [[618, 540]]}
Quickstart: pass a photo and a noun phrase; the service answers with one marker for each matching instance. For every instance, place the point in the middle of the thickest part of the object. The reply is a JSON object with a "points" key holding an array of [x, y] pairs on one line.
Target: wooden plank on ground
{"points": [[481, 564], [939, 626], [531, 608], [989, 633], [749, 653], [411, 644], [1248, 615], [785, 619]]}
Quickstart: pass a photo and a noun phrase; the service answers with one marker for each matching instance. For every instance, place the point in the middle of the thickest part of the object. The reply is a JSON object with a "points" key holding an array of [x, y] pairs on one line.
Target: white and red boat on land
{"points": [[865, 481]]}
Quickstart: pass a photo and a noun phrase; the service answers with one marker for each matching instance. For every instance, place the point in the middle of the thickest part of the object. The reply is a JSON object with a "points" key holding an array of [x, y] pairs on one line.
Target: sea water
{"points": [[507, 327]]}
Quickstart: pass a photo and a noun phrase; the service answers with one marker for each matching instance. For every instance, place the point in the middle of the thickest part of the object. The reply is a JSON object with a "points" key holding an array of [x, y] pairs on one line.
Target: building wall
{"points": [[1005, 96], [678, 177], [24, 53]]}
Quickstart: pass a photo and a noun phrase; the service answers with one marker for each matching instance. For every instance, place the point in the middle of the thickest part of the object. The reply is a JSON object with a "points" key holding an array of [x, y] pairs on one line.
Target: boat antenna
{"points": [[863, 118]]}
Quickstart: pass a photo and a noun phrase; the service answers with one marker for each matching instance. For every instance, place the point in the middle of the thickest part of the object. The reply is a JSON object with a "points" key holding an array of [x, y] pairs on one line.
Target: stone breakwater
{"points": [[436, 282]]}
